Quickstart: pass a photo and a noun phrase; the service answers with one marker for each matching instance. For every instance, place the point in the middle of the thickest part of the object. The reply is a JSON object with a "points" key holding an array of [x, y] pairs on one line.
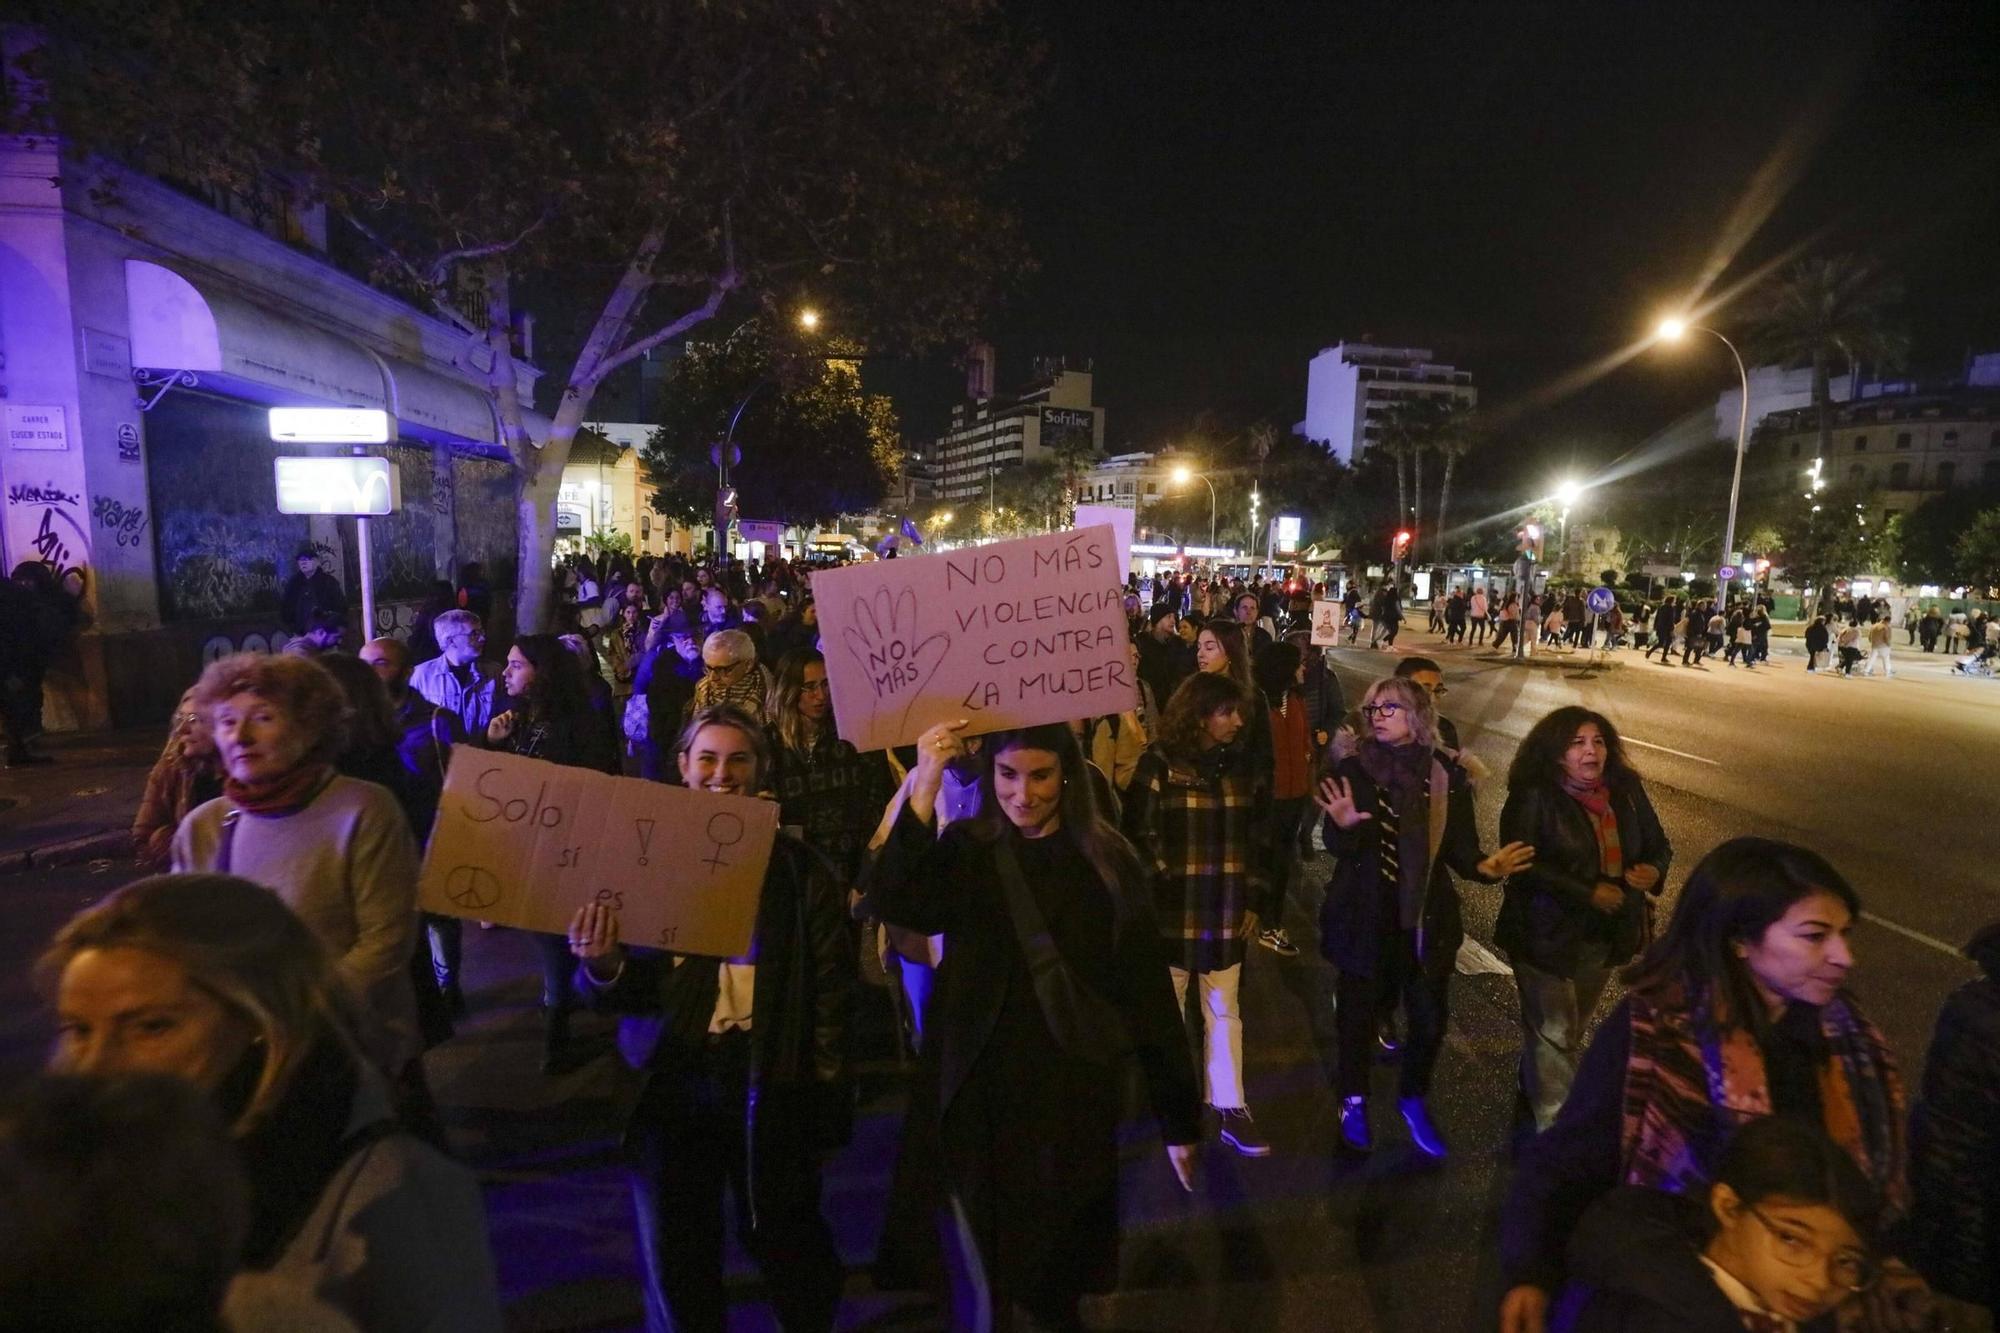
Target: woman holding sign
{"points": [[1052, 979], [745, 1064]]}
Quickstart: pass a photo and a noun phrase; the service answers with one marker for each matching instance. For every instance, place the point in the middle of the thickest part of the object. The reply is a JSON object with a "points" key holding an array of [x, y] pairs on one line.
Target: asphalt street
{"points": [[1887, 777]]}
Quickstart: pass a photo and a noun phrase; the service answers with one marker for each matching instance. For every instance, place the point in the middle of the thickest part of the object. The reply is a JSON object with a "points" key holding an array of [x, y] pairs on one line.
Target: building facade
{"points": [[1131, 481], [1350, 387], [145, 335], [1899, 447], [1054, 415], [605, 491]]}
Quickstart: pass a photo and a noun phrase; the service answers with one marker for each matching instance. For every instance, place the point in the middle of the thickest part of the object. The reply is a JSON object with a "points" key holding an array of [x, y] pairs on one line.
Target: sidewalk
{"points": [[80, 807]]}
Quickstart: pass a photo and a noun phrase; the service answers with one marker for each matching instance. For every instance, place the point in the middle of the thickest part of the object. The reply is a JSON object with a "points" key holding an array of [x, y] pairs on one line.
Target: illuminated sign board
{"points": [[331, 425], [1285, 531], [367, 487]]}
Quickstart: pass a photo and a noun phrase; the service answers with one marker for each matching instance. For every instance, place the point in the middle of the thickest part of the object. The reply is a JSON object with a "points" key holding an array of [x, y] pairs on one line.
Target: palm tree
{"points": [[1403, 438], [1454, 440], [1824, 312]]}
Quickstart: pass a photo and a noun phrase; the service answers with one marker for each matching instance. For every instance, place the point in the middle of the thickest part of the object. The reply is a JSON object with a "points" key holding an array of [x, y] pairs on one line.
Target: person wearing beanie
{"points": [[670, 667]]}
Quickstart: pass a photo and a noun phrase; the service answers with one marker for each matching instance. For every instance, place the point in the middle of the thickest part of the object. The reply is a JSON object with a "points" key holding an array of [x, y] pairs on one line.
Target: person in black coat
{"points": [[1051, 977], [1955, 1140], [1399, 819], [1780, 1238], [1818, 638], [1581, 910], [746, 1070], [1165, 660], [309, 592], [548, 716]]}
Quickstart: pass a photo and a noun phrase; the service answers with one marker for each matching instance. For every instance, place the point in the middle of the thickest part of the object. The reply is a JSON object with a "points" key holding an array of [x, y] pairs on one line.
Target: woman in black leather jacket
{"points": [[1582, 909]]}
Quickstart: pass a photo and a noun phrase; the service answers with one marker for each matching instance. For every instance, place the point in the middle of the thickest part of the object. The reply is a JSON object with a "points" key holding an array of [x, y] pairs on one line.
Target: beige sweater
{"points": [[348, 866]]}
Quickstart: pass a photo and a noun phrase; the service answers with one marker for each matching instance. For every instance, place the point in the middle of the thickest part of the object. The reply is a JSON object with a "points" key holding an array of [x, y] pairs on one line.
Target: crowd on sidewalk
{"points": [[1045, 908]]}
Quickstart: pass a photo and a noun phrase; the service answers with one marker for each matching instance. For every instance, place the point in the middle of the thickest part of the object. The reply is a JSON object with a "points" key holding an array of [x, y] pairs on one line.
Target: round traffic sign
{"points": [[1600, 601], [1727, 572]]}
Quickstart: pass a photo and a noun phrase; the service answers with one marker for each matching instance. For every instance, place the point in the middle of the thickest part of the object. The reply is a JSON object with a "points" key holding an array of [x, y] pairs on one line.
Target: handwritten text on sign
{"points": [[525, 843], [1008, 635]]}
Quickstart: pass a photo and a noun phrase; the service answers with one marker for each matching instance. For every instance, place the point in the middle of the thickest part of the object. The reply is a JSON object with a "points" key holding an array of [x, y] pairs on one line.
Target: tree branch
{"points": [[441, 266], [724, 283]]}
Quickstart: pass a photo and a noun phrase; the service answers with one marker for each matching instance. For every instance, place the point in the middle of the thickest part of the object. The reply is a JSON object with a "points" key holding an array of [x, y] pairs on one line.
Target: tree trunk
{"points": [[1417, 514], [1824, 410], [1402, 487], [1444, 503]]}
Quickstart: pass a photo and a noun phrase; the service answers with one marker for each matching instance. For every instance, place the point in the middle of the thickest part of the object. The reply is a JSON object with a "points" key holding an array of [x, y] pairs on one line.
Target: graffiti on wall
{"points": [[126, 523], [45, 523]]}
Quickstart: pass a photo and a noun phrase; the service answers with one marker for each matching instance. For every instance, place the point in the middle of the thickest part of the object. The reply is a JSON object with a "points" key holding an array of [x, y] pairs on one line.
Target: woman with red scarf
{"points": [[336, 849], [1581, 909]]}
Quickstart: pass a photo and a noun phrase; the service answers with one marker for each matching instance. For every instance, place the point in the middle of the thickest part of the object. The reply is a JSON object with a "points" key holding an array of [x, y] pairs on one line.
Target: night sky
{"points": [[1215, 191]]}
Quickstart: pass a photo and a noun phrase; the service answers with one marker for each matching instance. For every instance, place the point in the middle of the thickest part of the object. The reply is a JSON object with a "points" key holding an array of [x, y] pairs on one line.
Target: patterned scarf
{"points": [[1685, 1094], [1402, 777], [1596, 803], [283, 795]]}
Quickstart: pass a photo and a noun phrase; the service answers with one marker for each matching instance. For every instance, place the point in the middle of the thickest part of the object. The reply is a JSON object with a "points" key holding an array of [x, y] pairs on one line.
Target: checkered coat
{"points": [[1200, 833]]}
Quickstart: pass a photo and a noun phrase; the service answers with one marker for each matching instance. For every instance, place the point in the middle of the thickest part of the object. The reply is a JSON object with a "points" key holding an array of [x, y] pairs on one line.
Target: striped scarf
{"points": [[1685, 1094], [1596, 803]]}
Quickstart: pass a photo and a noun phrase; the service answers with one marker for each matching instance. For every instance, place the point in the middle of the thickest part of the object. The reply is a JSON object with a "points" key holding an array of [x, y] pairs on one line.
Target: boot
{"points": [[1422, 1132], [1354, 1130]]}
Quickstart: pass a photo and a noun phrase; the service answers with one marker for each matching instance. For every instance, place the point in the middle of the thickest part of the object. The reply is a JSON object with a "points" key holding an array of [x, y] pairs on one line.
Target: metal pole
{"points": [[1211, 508], [1742, 443], [367, 578]]}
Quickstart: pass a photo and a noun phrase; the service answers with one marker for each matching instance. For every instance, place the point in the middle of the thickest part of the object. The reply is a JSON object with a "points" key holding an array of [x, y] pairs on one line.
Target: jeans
{"points": [[918, 980], [690, 1150], [1554, 1010], [447, 935], [1360, 1004], [1281, 868], [1879, 653], [1222, 1021]]}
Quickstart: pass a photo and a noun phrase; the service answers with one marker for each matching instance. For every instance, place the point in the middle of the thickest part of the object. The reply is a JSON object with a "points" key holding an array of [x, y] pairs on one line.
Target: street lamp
{"points": [[809, 319], [1182, 476], [1566, 496], [1673, 330]]}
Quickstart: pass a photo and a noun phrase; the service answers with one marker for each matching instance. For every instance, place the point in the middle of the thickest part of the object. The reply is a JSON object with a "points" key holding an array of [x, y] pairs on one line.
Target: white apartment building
{"points": [[1130, 481], [988, 436], [1349, 387]]}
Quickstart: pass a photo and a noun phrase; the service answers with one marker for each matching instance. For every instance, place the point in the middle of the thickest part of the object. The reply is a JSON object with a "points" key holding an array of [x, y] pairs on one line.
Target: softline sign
{"points": [[1008, 635], [331, 425], [367, 487]]}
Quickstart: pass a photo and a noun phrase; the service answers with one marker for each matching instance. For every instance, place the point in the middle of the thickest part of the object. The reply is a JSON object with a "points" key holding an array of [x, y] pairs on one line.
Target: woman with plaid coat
{"points": [[1192, 812]]}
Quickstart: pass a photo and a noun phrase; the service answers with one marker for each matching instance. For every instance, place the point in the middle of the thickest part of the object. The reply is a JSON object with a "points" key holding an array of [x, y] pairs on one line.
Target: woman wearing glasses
{"points": [[1737, 1013], [1399, 819], [1781, 1237]]}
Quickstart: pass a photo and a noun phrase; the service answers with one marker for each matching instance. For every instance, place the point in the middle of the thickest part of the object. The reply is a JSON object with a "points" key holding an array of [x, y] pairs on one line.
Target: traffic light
{"points": [[1400, 547], [1530, 539]]}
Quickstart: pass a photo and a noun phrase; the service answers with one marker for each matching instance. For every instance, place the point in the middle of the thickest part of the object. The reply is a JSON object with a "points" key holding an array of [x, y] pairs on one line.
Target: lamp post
{"points": [[726, 455], [1672, 330], [1566, 495], [1182, 476]]}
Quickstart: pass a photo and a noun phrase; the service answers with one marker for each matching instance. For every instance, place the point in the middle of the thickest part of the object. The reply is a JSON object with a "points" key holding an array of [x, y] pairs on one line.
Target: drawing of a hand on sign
{"points": [[889, 644]]}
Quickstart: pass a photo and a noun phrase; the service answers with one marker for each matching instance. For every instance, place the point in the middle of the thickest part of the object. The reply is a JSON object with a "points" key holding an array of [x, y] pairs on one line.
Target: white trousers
{"points": [[1878, 654], [1222, 1038]]}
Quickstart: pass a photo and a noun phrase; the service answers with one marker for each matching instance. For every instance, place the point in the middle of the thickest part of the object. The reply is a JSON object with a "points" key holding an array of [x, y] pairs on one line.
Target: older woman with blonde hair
{"points": [[211, 979], [336, 849], [1398, 819]]}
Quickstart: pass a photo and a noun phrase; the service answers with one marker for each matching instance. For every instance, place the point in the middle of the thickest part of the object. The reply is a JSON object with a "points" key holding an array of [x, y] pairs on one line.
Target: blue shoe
{"points": [[1354, 1129], [1422, 1132]]}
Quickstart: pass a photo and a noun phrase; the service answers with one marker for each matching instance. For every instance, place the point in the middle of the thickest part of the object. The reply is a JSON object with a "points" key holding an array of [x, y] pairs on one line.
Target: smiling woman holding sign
{"points": [[1051, 979], [746, 1069]]}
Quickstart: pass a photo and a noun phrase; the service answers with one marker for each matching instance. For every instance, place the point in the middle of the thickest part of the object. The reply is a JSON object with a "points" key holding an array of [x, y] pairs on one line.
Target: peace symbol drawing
{"points": [[472, 888]]}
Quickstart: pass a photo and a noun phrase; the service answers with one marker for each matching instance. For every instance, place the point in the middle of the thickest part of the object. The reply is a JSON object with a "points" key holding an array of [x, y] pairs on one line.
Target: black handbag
{"points": [[1084, 1023]]}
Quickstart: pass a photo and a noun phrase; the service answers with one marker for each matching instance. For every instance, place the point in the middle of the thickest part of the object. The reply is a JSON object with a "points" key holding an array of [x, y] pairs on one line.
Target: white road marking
{"points": [[1916, 935], [1683, 754]]}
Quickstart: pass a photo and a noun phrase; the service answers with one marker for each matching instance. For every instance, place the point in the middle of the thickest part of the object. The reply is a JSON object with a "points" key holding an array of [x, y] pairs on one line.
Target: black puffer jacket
{"points": [[1546, 920], [1635, 1267], [1954, 1229]]}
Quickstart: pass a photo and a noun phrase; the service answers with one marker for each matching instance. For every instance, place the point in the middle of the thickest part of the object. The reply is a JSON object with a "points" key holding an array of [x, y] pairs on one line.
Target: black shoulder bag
{"points": [[1084, 1023]]}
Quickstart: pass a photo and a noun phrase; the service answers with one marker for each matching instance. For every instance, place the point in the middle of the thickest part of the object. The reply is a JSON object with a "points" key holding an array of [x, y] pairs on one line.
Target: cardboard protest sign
{"points": [[1120, 521], [1327, 618], [522, 842], [1008, 635]]}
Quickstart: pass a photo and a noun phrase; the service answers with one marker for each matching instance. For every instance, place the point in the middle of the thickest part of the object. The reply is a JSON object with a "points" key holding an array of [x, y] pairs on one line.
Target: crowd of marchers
{"points": [[237, 1125]]}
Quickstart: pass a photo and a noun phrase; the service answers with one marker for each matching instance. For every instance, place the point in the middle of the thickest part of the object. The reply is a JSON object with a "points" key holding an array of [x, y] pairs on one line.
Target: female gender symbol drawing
{"points": [[725, 829]]}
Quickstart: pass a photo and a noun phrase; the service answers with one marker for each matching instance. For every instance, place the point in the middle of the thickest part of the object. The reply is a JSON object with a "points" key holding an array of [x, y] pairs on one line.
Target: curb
{"points": [[95, 846]]}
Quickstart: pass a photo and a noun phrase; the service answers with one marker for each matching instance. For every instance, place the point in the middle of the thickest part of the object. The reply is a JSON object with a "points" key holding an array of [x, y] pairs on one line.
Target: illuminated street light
{"points": [[1182, 475], [1672, 329], [808, 319], [1567, 492]]}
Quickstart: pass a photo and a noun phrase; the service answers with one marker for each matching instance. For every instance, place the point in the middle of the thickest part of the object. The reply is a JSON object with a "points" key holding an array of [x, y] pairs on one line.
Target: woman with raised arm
{"points": [[1052, 979], [1399, 821]]}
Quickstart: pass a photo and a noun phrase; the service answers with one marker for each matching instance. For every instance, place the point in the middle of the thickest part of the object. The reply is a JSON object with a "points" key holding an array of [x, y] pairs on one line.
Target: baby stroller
{"points": [[1979, 664]]}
